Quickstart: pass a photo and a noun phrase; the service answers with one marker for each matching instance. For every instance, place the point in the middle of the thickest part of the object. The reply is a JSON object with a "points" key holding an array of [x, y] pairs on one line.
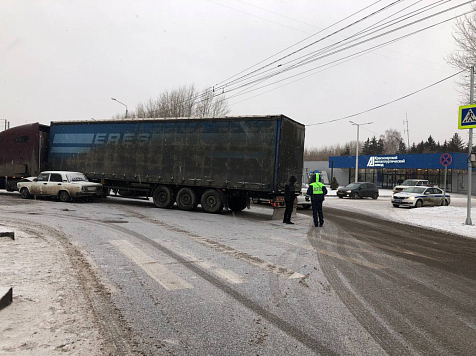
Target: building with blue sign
{"points": [[386, 170]]}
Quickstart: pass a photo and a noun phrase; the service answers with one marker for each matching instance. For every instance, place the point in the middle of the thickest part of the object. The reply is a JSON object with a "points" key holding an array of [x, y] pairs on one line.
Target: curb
{"points": [[7, 233], [6, 297]]}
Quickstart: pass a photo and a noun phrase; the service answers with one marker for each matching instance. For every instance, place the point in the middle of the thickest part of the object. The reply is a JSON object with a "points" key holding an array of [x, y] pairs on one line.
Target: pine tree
{"points": [[334, 183], [366, 147], [380, 147], [456, 144], [402, 148], [430, 145]]}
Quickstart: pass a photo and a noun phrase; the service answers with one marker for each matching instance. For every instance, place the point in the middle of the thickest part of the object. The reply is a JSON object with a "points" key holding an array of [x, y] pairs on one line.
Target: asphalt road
{"points": [[422, 298], [190, 283]]}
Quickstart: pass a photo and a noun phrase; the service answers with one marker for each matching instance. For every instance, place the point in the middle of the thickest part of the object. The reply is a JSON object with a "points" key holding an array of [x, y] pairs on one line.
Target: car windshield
{"points": [[352, 186], [76, 177], [414, 190], [410, 182]]}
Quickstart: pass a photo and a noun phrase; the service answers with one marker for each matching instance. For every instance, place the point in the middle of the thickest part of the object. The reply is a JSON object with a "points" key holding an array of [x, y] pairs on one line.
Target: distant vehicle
{"points": [[304, 200], [64, 185], [411, 183], [358, 190], [420, 196]]}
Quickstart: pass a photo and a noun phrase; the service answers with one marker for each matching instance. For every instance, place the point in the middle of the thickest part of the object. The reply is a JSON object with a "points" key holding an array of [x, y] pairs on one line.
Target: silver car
{"points": [[420, 196]]}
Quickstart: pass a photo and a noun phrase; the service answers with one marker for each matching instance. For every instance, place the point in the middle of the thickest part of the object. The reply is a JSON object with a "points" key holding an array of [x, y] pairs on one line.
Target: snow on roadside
{"points": [[442, 218]]}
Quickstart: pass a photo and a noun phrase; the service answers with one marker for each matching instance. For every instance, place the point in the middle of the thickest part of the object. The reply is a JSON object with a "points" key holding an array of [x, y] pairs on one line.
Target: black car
{"points": [[358, 190]]}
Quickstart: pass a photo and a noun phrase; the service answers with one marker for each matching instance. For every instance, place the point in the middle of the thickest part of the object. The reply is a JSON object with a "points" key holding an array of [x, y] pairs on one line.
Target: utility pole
{"points": [[357, 149], [470, 145], [407, 131]]}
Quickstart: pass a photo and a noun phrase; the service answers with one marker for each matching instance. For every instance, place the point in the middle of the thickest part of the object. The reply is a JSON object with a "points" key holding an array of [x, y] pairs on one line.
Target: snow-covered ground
{"points": [[444, 218]]}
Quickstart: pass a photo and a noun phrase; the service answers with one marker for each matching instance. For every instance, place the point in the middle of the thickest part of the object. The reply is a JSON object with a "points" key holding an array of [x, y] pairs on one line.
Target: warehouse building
{"points": [[385, 170]]}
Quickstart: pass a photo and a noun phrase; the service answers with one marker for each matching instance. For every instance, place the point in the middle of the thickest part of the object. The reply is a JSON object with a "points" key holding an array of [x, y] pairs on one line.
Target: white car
{"points": [[304, 200], [61, 184], [411, 183], [420, 196]]}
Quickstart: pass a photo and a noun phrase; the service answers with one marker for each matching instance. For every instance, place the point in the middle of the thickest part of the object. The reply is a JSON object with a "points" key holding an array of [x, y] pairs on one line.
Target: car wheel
{"points": [[419, 204], [396, 205], [375, 196], [64, 196], [24, 193], [256, 201], [340, 196], [355, 195], [444, 202]]}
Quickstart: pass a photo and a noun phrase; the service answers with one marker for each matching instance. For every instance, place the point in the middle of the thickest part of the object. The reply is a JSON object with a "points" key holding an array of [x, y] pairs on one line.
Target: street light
{"points": [[357, 149], [120, 103]]}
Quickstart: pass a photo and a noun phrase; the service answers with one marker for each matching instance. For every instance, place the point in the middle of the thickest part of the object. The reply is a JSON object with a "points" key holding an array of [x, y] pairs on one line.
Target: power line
{"points": [[217, 88], [349, 57], [311, 44], [388, 103], [321, 51], [262, 18]]}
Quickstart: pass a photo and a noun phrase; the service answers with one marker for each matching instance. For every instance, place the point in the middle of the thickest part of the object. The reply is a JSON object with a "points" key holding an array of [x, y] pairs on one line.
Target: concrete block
{"points": [[6, 297], [4, 232]]}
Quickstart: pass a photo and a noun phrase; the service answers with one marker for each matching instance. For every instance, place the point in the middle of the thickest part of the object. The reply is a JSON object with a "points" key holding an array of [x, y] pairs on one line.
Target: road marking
{"points": [[230, 276], [331, 254], [252, 260], [158, 272]]}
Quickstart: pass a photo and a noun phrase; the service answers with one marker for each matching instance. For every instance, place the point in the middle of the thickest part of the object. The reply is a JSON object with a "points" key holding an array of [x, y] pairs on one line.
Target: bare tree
{"points": [[391, 141], [185, 101], [465, 56]]}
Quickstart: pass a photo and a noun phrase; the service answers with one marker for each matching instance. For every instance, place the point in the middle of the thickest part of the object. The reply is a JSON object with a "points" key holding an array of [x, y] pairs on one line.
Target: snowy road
{"points": [[189, 283]]}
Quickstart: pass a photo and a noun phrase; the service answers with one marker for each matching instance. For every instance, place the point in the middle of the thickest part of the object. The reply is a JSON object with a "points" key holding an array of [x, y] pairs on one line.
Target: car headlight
{"points": [[348, 191], [411, 198]]}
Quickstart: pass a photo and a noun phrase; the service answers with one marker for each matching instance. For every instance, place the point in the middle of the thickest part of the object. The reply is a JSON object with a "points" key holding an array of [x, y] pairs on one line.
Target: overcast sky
{"points": [[64, 60]]}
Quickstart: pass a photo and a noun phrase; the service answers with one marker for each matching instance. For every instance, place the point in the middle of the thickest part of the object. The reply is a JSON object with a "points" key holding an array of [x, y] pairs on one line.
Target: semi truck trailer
{"points": [[212, 162]]}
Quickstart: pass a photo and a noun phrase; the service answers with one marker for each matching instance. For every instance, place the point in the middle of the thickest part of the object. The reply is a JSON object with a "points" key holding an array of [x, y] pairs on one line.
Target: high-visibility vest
{"points": [[317, 188]]}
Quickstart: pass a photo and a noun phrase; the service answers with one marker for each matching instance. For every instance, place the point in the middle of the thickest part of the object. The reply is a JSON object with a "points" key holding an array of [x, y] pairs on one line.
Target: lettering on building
{"points": [[377, 161]]}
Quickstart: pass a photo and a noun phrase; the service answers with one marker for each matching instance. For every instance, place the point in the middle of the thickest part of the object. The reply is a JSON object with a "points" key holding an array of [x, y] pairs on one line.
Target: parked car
{"points": [[64, 185], [420, 196], [411, 183], [304, 200], [358, 190]]}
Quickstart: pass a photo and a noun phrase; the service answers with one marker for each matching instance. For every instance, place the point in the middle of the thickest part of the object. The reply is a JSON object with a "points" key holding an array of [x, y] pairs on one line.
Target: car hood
{"points": [[343, 189], [402, 195]]}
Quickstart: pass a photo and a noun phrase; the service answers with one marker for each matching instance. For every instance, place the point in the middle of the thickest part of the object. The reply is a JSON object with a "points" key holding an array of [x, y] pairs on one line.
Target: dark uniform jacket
{"points": [[289, 191]]}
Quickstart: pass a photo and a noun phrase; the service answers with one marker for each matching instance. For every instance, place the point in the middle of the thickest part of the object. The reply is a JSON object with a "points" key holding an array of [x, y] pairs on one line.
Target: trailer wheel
{"points": [[237, 203], [211, 201], [24, 193], [163, 197], [186, 199]]}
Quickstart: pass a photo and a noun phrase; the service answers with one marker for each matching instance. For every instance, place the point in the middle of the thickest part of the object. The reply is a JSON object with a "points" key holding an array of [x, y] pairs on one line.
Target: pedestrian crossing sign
{"points": [[467, 117]]}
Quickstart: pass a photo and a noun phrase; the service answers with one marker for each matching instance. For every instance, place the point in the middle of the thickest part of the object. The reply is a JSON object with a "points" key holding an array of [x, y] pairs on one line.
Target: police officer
{"points": [[289, 197], [317, 191]]}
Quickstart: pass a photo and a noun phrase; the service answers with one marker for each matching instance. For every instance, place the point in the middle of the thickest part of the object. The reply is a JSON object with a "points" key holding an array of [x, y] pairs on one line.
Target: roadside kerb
{"points": [[6, 296], [4, 232]]}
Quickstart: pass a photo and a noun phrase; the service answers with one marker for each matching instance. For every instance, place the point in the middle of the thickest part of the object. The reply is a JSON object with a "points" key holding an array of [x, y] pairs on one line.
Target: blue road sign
{"points": [[467, 117]]}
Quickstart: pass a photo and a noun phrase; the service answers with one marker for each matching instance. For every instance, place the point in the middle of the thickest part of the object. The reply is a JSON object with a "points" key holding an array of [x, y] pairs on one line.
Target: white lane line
{"points": [[331, 254], [158, 272], [230, 276], [252, 260]]}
